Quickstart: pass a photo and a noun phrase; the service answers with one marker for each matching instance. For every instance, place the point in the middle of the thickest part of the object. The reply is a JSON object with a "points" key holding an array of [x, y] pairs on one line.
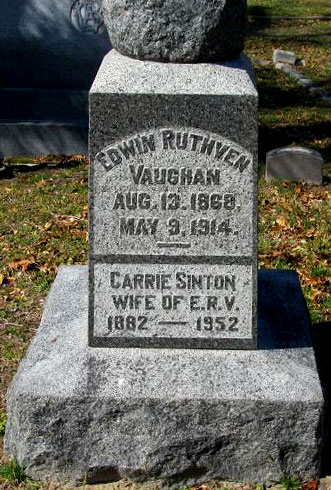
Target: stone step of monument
{"points": [[178, 416]]}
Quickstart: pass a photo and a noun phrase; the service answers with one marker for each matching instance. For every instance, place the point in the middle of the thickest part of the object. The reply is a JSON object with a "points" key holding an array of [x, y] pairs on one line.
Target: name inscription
{"points": [[173, 189], [169, 139], [148, 300]]}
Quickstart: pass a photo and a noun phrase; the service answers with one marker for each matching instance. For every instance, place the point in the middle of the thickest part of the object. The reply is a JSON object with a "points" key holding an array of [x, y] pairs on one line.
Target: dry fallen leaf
{"points": [[281, 222], [47, 226], [21, 264], [66, 220], [310, 485]]}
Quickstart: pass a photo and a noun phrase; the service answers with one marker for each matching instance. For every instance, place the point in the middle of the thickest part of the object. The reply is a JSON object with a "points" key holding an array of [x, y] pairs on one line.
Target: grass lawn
{"points": [[309, 39], [43, 214], [290, 115], [290, 8]]}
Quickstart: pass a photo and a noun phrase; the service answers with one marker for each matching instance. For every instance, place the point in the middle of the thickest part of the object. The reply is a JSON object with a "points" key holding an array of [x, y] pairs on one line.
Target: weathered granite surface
{"points": [[168, 30], [216, 314], [179, 416]]}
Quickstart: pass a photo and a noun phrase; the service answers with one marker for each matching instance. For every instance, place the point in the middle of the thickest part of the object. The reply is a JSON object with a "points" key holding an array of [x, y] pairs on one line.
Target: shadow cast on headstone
{"points": [[32, 139], [224, 30], [321, 335], [40, 34], [283, 317], [284, 323]]}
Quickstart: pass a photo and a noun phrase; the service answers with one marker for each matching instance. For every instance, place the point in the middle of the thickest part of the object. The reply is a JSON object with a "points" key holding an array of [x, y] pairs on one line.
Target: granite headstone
{"points": [[295, 164], [176, 417], [281, 56], [173, 204]]}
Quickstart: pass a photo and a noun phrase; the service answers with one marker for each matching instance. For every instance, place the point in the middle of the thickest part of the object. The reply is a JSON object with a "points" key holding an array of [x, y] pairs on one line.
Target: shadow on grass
{"points": [[290, 115], [298, 134], [304, 38], [258, 20], [278, 91], [286, 32]]}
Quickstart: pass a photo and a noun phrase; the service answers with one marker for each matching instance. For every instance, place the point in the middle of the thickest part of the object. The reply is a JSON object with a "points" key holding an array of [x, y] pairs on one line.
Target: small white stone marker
{"points": [[295, 164], [281, 56]]}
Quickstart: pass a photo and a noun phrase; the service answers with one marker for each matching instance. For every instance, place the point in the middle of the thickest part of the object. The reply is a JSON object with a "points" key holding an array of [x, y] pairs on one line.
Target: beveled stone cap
{"points": [[183, 31]]}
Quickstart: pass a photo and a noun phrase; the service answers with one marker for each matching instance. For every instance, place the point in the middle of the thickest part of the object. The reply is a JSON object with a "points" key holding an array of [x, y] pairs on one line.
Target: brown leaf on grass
{"points": [[47, 226], [23, 265], [7, 281], [310, 485], [315, 294], [49, 268], [40, 183], [272, 254], [281, 222], [312, 280], [202, 487], [66, 220]]}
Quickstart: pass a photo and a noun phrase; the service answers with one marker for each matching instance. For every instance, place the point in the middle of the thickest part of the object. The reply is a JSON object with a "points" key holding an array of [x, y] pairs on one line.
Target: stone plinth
{"points": [[173, 204], [178, 416]]}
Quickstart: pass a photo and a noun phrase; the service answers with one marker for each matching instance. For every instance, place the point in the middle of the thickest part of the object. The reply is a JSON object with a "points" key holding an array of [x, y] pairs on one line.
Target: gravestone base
{"points": [[176, 416]]}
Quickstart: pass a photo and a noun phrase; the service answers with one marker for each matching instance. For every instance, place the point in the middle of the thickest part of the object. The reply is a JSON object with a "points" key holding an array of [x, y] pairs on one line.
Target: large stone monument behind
{"points": [[50, 53], [174, 381]]}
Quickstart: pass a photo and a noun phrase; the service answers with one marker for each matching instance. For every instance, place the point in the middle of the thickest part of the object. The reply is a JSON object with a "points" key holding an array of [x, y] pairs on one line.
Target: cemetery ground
{"points": [[309, 38], [44, 211]]}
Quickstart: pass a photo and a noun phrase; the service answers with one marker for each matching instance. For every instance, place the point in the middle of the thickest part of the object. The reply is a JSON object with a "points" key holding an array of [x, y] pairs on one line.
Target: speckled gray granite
{"points": [[173, 182], [177, 31], [179, 416], [121, 75]]}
